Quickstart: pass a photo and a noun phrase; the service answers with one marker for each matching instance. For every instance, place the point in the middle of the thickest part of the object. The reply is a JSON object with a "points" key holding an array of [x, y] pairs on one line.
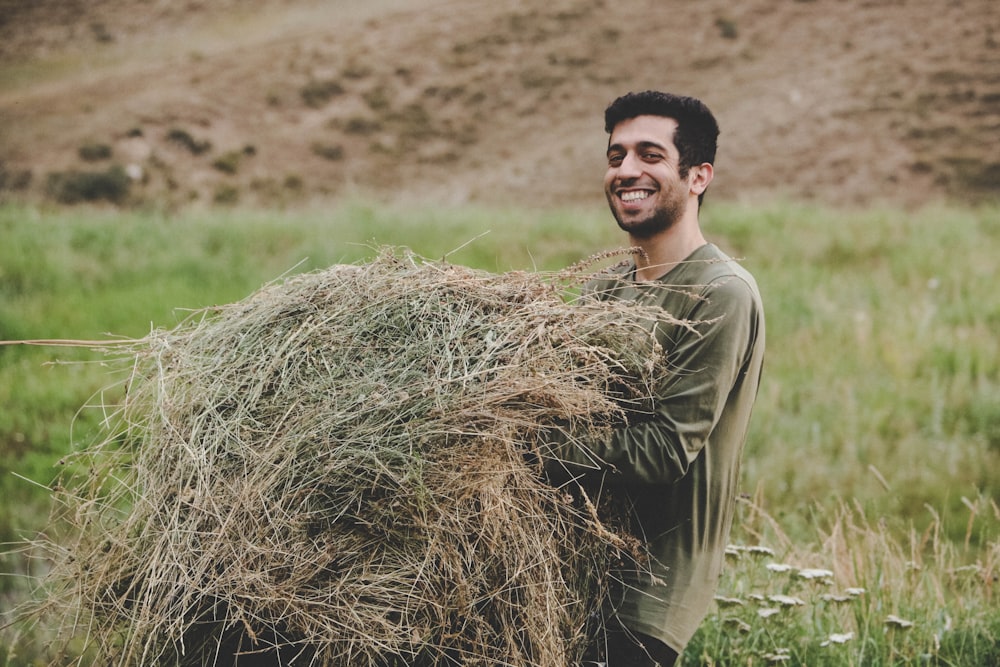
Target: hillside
{"points": [[279, 101]]}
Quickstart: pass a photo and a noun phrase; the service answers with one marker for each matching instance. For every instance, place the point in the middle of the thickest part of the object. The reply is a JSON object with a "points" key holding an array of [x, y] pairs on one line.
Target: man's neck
{"points": [[663, 252]]}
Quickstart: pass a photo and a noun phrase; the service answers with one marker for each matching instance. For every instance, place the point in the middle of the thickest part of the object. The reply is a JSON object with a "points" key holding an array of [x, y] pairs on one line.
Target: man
{"points": [[675, 466]]}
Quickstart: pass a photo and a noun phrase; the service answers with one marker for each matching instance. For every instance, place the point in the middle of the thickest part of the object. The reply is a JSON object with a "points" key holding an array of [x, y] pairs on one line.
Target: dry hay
{"points": [[343, 469]]}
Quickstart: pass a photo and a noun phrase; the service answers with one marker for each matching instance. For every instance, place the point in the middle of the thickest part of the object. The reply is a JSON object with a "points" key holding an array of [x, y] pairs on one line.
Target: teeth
{"points": [[634, 195]]}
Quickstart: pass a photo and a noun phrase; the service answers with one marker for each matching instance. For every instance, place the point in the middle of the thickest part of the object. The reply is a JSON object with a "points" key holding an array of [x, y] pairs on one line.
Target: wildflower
{"points": [[785, 600], [740, 625], [846, 596], [778, 655], [767, 612], [728, 602], [756, 597], [837, 638], [760, 550], [778, 567], [734, 551], [815, 573], [896, 621]]}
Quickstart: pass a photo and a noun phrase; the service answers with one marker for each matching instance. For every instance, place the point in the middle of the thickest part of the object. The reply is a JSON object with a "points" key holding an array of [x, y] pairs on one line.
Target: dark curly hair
{"points": [[697, 130]]}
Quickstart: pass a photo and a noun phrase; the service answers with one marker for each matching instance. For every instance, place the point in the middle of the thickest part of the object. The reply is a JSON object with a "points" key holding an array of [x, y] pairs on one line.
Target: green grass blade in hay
{"points": [[342, 468]]}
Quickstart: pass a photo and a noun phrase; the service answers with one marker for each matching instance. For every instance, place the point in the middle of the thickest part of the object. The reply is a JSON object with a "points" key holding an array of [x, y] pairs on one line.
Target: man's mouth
{"points": [[633, 195]]}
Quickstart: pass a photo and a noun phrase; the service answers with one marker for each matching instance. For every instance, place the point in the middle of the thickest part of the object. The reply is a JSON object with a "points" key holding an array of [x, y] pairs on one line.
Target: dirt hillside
{"points": [[848, 102]]}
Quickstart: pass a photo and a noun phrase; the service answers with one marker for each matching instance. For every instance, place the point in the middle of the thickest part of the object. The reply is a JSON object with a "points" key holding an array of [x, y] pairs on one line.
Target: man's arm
{"points": [[659, 447]]}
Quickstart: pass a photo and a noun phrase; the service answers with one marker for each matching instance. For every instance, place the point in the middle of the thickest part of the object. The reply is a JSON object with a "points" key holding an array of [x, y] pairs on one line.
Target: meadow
{"points": [[869, 533]]}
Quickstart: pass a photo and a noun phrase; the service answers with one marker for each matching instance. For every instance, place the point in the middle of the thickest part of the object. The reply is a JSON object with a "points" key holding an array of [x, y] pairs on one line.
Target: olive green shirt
{"points": [[677, 463]]}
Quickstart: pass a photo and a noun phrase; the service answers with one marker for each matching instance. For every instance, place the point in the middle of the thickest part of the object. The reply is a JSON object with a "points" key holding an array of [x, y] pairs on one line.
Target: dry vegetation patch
{"points": [[845, 103]]}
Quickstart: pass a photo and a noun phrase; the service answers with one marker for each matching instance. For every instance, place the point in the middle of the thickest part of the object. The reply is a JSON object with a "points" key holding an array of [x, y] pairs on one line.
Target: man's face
{"points": [[644, 189]]}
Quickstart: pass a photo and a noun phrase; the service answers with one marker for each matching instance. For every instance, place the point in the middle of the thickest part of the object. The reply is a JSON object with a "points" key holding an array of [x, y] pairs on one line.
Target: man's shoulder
{"points": [[706, 271], [716, 271], [711, 262]]}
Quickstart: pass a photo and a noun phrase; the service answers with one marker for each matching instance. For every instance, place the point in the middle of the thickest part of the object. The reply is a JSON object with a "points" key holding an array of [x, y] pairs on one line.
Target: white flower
{"points": [[767, 612], [740, 625], [778, 655], [815, 573], [898, 622], [785, 600], [759, 549], [756, 597], [836, 638], [778, 567], [754, 550], [846, 596], [728, 602]]}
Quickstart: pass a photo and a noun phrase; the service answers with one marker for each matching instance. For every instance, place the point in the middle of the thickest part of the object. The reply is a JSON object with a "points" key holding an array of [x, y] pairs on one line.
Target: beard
{"points": [[662, 218]]}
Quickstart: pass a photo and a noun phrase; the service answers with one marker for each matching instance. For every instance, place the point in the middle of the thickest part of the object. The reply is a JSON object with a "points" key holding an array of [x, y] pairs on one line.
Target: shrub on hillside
{"points": [[94, 152], [328, 151], [226, 194], [73, 187], [14, 180], [316, 94], [230, 161], [184, 138]]}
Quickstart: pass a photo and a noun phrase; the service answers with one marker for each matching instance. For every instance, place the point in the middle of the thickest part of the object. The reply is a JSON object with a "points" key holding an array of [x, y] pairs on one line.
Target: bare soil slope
{"points": [[849, 102]]}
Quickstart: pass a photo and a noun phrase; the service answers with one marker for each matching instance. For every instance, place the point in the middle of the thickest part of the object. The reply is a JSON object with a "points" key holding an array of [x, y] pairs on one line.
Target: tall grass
{"points": [[875, 443], [883, 376], [854, 592]]}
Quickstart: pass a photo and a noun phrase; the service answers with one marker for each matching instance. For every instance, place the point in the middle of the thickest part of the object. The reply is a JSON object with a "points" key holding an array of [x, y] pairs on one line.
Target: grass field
{"points": [[874, 455]]}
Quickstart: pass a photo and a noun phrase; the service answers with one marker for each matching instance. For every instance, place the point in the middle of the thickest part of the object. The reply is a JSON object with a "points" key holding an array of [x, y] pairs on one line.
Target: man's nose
{"points": [[630, 167]]}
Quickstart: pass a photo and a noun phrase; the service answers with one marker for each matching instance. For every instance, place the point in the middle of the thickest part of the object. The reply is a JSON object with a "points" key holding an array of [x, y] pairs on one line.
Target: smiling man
{"points": [[674, 468]]}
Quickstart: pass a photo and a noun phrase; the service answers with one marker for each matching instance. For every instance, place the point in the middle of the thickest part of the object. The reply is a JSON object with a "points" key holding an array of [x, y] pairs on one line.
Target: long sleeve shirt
{"points": [[676, 464]]}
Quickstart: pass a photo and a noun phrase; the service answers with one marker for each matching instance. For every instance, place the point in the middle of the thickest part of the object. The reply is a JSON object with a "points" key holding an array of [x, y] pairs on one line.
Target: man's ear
{"points": [[699, 176]]}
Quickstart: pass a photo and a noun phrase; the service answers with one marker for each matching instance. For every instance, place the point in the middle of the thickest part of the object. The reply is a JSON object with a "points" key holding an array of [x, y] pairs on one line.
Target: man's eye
{"points": [[615, 160], [651, 156]]}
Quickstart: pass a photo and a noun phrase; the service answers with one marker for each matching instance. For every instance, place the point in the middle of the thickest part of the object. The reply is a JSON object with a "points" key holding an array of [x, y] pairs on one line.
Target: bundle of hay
{"points": [[343, 470]]}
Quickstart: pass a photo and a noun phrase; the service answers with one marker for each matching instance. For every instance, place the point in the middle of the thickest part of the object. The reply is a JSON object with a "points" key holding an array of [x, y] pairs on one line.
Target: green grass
{"points": [[883, 377], [856, 593], [875, 444]]}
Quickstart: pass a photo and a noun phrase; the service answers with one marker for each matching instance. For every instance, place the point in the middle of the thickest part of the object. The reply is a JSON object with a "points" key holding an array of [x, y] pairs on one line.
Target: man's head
{"points": [[660, 153], [697, 130]]}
